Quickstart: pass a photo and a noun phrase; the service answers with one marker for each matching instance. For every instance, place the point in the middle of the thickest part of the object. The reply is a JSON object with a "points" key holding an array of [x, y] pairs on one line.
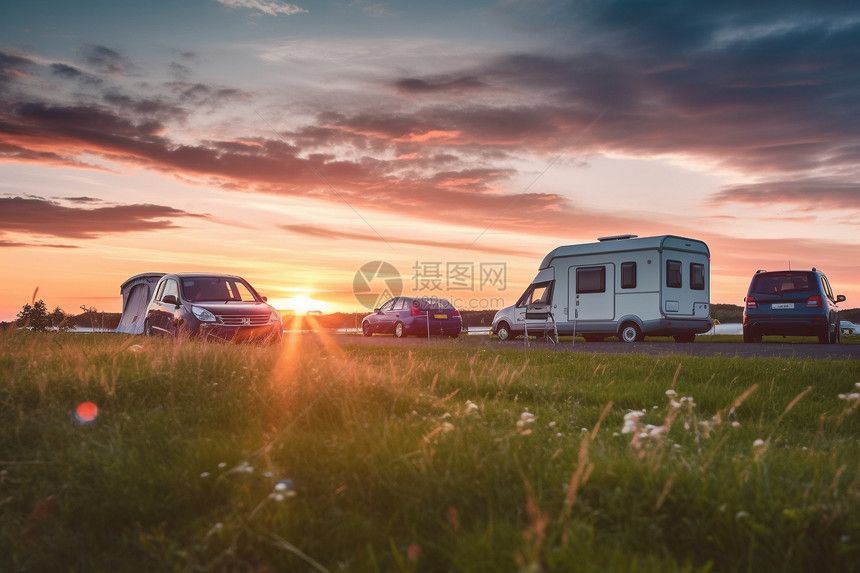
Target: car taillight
{"points": [[813, 302], [751, 303], [417, 311], [455, 313]]}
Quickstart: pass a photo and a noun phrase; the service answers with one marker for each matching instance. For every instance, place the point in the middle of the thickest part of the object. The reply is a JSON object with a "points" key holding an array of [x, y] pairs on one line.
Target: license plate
{"points": [[440, 316], [777, 305]]}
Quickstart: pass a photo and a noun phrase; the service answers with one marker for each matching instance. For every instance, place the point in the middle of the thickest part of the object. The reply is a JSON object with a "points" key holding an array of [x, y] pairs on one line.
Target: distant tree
{"points": [[34, 316], [59, 320]]}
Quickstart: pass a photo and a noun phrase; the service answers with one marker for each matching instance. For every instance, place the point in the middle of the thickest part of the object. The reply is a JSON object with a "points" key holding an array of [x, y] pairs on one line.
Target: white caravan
{"points": [[622, 286]]}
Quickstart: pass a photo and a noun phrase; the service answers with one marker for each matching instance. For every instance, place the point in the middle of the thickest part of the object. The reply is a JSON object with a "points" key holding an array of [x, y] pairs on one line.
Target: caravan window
{"points": [[590, 279], [697, 276], [536, 293], [673, 274], [628, 275]]}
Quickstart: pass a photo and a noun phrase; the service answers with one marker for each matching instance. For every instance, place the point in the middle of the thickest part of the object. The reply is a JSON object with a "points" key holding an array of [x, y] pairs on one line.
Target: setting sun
{"points": [[300, 304]]}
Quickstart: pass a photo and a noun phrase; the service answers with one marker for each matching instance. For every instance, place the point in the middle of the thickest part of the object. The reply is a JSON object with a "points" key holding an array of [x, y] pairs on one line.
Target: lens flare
{"points": [[86, 412]]}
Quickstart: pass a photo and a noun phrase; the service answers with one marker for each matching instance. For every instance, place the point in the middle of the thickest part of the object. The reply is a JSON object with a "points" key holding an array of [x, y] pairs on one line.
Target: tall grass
{"points": [[322, 455]]}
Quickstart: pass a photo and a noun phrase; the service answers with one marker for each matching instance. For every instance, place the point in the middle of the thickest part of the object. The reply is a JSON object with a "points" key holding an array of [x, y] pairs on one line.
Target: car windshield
{"points": [[433, 304], [216, 289], [782, 283]]}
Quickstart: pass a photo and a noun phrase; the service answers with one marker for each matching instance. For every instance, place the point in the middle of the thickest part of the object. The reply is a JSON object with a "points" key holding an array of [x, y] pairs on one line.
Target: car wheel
{"points": [[630, 333], [751, 336], [825, 337], [685, 338], [398, 330], [147, 328], [503, 331], [455, 335], [365, 329]]}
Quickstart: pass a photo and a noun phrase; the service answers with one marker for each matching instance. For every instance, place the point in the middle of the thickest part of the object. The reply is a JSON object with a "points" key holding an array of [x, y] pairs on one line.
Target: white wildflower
{"points": [[471, 407], [204, 475], [736, 424], [525, 418], [447, 427], [631, 421], [671, 393]]}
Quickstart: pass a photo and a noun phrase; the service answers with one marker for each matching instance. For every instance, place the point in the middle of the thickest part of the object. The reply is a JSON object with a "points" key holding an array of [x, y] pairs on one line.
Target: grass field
{"points": [[322, 455]]}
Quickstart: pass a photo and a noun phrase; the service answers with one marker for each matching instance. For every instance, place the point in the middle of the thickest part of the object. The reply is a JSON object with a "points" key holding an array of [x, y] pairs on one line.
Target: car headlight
{"points": [[275, 316], [202, 314]]}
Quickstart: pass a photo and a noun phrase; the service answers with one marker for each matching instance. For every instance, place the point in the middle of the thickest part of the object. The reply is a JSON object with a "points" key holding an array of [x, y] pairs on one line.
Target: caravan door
{"points": [[592, 292]]}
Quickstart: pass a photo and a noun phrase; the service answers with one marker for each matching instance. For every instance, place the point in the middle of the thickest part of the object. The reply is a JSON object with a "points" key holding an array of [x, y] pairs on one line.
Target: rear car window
{"points": [[433, 304], [782, 283]]}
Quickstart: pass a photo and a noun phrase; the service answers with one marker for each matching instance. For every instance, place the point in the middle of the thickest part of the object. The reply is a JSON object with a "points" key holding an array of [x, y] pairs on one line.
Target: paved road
{"points": [[725, 349]]}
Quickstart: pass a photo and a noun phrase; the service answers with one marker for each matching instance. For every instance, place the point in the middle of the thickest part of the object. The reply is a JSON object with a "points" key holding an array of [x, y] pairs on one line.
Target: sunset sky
{"points": [[291, 143]]}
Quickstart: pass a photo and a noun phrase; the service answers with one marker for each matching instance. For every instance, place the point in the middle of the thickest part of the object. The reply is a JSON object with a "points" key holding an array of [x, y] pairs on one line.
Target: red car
{"points": [[404, 316]]}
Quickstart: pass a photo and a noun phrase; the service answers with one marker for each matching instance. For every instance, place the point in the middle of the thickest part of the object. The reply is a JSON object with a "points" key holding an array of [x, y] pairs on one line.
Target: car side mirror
{"points": [[265, 298], [840, 298], [170, 299], [377, 310]]}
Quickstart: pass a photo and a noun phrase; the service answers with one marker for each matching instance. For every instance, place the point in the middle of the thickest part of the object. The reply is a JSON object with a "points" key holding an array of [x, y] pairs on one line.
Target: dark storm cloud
{"points": [[204, 94], [323, 233], [765, 90], [72, 73], [7, 244], [43, 217], [809, 193], [13, 67], [439, 84], [768, 91], [104, 59]]}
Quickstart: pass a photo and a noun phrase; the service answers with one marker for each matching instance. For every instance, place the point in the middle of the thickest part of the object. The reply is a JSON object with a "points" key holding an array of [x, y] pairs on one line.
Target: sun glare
{"points": [[300, 304]]}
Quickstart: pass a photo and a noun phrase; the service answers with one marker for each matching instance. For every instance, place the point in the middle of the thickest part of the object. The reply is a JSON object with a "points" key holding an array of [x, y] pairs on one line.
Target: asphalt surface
{"points": [[787, 349]]}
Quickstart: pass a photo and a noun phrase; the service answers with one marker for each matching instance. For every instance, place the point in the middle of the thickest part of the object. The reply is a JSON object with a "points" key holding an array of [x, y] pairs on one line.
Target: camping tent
{"points": [[136, 294]]}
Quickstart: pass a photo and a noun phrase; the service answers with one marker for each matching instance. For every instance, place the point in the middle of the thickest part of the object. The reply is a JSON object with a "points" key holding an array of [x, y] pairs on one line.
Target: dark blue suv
{"points": [[791, 303]]}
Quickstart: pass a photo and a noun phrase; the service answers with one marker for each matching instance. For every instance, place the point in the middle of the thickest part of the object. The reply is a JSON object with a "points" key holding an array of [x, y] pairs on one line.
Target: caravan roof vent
{"points": [[616, 238]]}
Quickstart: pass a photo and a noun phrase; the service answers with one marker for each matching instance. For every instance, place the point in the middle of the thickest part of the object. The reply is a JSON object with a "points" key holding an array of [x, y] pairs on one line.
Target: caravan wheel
{"points": [[631, 333]]}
